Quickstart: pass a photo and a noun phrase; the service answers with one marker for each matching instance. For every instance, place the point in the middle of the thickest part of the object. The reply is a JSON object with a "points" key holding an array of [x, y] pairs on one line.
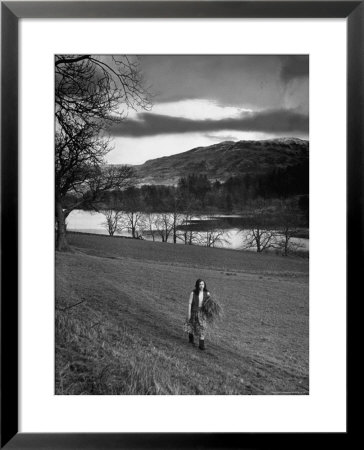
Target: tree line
{"points": [[170, 213], [272, 225], [195, 193]]}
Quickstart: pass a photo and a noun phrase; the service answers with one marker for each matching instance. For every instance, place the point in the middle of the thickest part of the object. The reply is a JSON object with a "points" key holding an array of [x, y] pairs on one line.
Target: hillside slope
{"points": [[220, 161]]}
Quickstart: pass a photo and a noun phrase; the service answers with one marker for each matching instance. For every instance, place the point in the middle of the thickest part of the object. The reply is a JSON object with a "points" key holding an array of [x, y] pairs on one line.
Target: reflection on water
{"points": [[233, 237]]}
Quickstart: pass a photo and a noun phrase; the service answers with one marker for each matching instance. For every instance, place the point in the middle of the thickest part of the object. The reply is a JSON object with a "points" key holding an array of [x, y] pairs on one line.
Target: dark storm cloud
{"points": [[270, 121], [226, 79], [296, 66], [249, 81]]}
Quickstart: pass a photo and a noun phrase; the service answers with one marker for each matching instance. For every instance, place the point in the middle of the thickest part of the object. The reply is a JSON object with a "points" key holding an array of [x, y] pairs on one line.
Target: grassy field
{"points": [[121, 304]]}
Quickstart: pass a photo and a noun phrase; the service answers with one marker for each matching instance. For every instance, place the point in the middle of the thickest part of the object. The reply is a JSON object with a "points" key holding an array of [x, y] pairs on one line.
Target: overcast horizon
{"points": [[200, 100]]}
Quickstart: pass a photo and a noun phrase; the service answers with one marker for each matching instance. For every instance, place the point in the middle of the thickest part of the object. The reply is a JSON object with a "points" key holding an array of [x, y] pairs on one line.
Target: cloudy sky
{"points": [[203, 100]]}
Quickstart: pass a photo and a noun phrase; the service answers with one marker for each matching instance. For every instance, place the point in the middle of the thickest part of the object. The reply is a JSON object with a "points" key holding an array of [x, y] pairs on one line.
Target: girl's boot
{"points": [[201, 344]]}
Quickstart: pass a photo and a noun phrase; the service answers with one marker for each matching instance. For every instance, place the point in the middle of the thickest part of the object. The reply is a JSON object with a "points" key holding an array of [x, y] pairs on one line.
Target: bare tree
{"points": [[286, 234], [133, 221], [132, 205], [151, 222], [259, 238], [113, 220], [261, 234], [213, 233], [91, 93], [290, 219], [164, 225], [212, 237], [187, 234], [177, 220], [95, 87], [79, 173], [177, 216]]}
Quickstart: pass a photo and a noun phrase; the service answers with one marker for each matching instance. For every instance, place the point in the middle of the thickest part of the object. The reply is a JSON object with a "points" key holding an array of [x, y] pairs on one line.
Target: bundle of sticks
{"points": [[211, 309]]}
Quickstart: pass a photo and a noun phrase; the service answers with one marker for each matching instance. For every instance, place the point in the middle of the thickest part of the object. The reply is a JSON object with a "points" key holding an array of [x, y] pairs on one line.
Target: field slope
{"points": [[120, 307]]}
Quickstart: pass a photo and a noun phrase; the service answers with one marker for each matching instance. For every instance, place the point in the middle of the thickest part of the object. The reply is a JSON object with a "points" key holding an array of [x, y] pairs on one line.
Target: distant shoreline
{"points": [[302, 253]]}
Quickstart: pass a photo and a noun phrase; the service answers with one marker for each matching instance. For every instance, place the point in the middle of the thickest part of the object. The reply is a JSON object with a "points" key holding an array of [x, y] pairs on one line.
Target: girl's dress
{"points": [[197, 324]]}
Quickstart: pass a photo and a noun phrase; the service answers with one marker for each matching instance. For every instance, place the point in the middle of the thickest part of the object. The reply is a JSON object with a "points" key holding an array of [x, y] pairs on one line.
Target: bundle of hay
{"points": [[211, 309]]}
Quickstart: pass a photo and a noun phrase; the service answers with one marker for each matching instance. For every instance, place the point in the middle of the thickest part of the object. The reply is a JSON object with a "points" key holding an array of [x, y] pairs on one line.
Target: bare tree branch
{"points": [[90, 93]]}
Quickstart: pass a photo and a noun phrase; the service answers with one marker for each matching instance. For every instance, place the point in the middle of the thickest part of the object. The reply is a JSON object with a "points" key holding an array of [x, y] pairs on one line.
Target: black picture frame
{"points": [[11, 12]]}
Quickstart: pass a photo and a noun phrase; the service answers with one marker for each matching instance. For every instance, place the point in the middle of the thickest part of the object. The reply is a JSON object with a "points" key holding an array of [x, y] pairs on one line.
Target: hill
{"points": [[120, 305], [228, 158]]}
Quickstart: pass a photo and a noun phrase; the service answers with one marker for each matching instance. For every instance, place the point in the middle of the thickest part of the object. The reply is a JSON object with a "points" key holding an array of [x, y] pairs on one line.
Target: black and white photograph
{"points": [[181, 224]]}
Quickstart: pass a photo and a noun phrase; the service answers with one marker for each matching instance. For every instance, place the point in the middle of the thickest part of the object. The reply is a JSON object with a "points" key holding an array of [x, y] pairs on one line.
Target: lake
{"points": [[231, 236]]}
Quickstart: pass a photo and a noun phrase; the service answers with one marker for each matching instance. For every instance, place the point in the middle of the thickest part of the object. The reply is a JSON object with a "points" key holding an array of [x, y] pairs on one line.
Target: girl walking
{"points": [[196, 320]]}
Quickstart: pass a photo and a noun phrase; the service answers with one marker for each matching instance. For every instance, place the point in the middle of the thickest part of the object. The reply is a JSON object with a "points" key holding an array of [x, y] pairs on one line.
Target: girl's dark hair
{"points": [[196, 290]]}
